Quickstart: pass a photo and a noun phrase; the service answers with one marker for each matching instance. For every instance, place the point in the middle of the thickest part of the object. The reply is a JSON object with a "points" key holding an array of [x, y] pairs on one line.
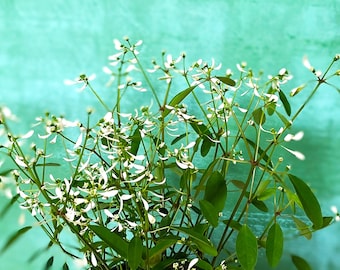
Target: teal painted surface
{"points": [[44, 42]]}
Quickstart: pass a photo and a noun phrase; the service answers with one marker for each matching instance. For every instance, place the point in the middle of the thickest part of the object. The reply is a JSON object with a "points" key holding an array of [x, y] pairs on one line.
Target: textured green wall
{"points": [[44, 42]]}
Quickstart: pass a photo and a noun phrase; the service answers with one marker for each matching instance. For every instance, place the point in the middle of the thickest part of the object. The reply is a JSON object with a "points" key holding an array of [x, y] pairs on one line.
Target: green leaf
{"points": [[200, 128], [135, 139], [285, 102], [112, 239], [5, 172], [14, 237], [284, 120], [259, 116], [206, 145], [49, 263], [262, 187], [209, 212], [205, 176], [238, 183], [226, 80], [135, 251], [9, 205], [178, 98], [47, 164], [216, 191], [202, 242], [266, 194], [259, 205], [271, 108], [308, 200], [274, 245], [201, 264], [327, 221], [246, 248], [180, 137], [233, 224], [300, 263], [302, 227], [162, 244]]}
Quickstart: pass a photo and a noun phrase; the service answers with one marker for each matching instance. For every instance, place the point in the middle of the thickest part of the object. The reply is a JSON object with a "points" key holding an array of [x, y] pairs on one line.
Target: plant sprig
{"points": [[148, 188]]}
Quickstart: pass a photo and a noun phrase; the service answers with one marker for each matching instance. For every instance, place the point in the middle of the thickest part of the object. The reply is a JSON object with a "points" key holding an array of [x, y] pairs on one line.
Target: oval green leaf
{"points": [[259, 116], [226, 80], [178, 98], [246, 248], [202, 242], [274, 245], [135, 251], [112, 239], [216, 191], [49, 263], [14, 238], [308, 201], [285, 102], [209, 212], [300, 263]]}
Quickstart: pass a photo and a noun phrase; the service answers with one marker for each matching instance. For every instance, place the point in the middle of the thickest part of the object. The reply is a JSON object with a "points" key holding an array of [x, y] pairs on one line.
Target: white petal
{"points": [[108, 213], [109, 194], [126, 197], [139, 42], [145, 203], [20, 162], [117, 44], [334, 209], [107, 70], [151, 219], [103, 174], [79, 141], [306, 63], [28, 134], [192, 263], [190, 145], [298, 136], [93, 259]]}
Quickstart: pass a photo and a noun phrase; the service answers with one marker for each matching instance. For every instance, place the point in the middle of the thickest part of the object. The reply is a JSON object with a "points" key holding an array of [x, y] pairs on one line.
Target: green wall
{"points": [[44, 42]]}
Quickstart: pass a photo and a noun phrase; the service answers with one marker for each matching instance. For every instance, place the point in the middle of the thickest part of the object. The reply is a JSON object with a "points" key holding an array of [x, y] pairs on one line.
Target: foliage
{"points": [[148, 188]]}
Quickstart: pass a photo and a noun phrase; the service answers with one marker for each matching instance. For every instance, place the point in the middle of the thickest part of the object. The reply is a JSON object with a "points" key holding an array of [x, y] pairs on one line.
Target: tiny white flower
{"points": [[297, 137]]}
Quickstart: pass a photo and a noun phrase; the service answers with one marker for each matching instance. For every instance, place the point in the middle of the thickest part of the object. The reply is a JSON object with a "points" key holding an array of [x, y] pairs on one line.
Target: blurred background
{"points": [[45, 42]]}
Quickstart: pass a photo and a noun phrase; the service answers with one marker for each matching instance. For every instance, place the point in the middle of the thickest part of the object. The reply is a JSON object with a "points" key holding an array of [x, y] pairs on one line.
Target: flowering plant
{"points": [[169, 185]]}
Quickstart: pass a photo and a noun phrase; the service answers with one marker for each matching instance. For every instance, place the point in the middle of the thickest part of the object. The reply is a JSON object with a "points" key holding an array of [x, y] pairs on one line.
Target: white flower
{"points": [[82, 79], [297, 137]]}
